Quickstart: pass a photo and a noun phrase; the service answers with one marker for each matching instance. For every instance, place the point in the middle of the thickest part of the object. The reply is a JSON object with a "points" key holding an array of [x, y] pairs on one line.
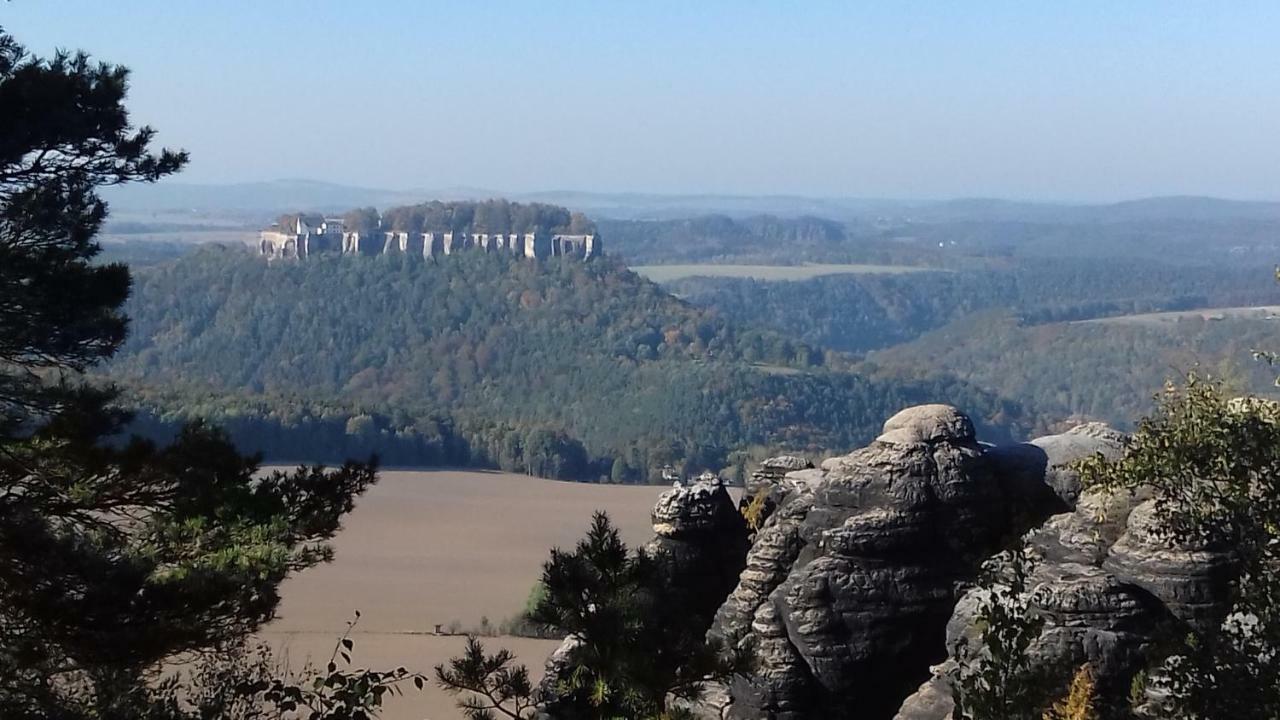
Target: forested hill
{"points": [[1107, 369], [567, 369], [859, 313], [760, 239], [944, 243]]}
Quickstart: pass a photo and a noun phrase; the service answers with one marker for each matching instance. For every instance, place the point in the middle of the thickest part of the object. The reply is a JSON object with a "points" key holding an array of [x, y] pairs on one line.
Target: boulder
{"points": [[773, 470], [927, 423]]}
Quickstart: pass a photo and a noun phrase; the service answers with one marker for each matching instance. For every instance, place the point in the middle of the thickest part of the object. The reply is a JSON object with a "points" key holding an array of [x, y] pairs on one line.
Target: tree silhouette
{"points": [[114, 556]]}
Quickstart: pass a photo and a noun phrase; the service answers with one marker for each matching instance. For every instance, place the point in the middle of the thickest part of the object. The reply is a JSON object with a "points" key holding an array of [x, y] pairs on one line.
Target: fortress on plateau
{"points": [[435, 229]]}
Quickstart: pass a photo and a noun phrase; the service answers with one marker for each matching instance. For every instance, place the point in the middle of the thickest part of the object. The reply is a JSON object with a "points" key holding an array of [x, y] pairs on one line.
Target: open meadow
{"points": [[431, 547], [667, 273], [1263, 312]]}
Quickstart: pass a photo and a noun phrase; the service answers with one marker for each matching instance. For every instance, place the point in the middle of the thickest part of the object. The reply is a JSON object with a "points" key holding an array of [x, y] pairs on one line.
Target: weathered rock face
{"points": [[1104, 583], [849, 585], [693, 511], [700, 532], [1039, 472], [770, 483], [772, 473]]}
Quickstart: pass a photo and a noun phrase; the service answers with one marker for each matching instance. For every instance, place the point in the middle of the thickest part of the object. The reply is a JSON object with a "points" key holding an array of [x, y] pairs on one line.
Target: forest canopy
{"points": [[489, 216], [561, 368]]}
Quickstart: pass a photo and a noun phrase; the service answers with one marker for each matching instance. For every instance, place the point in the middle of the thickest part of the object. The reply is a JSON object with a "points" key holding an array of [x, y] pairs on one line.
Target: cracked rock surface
{"points": [[851, 582]]}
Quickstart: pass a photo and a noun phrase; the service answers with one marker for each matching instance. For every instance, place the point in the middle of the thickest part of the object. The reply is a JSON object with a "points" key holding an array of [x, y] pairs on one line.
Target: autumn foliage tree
{"points": [[1081, 701]]}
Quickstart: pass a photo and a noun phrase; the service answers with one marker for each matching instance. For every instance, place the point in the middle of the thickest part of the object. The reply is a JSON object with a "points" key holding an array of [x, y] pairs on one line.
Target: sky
{"points": [[1067, 101]]}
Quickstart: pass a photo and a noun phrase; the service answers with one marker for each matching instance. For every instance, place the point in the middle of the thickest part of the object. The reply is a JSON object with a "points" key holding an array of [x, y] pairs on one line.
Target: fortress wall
{"points": [[275, 244]]}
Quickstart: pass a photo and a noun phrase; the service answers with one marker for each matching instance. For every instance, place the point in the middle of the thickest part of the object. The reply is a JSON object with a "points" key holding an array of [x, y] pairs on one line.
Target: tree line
{"points": [[860, 313], [487, 216], [762, 239]]}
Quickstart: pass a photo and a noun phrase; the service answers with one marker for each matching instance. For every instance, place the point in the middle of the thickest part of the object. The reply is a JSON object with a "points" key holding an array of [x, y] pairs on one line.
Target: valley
{"points": [[639, 361]]}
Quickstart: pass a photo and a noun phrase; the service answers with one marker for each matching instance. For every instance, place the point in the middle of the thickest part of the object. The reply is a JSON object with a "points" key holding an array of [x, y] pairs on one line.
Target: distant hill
{"points": [[1191, 208], [311, 195], [1106, 371], [641, 206], [1146, 209], [269, 197], [560, 368], [864, 312], [278, 195]]}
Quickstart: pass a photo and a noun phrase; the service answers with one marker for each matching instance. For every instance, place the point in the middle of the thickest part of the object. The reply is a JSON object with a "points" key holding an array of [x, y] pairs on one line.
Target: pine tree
{"points": [[114, 556], [639, 640]]}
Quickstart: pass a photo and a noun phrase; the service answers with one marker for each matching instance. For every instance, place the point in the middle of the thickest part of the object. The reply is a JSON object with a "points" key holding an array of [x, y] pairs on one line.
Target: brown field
{"points": [[429, 547], [1259, 312], [665, 273]]}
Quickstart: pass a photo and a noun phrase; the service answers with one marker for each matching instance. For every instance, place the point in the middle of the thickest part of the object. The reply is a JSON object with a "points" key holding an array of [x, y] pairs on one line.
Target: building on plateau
{"points": [[308, 234], [315, 235]]}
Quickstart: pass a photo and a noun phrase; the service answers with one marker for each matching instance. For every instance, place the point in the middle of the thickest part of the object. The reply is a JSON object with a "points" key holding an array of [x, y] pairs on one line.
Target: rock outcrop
{"points": [[849, 585], [850, 582], [1105, 583], [769, 484], [702, 535], [1039, 471], [857, 588], [772, 473]]}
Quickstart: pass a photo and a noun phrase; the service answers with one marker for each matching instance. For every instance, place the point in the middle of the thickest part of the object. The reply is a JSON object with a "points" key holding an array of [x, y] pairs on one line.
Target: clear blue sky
{"points": [[1074, 100]]}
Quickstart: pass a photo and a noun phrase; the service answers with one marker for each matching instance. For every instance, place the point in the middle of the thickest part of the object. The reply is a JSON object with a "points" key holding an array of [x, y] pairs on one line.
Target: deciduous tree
{"points": [[1212, 464]]}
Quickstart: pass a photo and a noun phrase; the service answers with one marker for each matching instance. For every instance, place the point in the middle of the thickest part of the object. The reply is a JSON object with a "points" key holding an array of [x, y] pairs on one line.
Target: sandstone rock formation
{"points": [[849, 585], [860, 583], [699, 531], [771, 476], [1039, 471], [769, 484], [1105, 583]]}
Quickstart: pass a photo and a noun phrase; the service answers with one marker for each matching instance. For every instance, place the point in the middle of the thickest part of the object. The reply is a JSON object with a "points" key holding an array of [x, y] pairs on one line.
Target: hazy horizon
{"points": [[479, 192], [1095, 102]]}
